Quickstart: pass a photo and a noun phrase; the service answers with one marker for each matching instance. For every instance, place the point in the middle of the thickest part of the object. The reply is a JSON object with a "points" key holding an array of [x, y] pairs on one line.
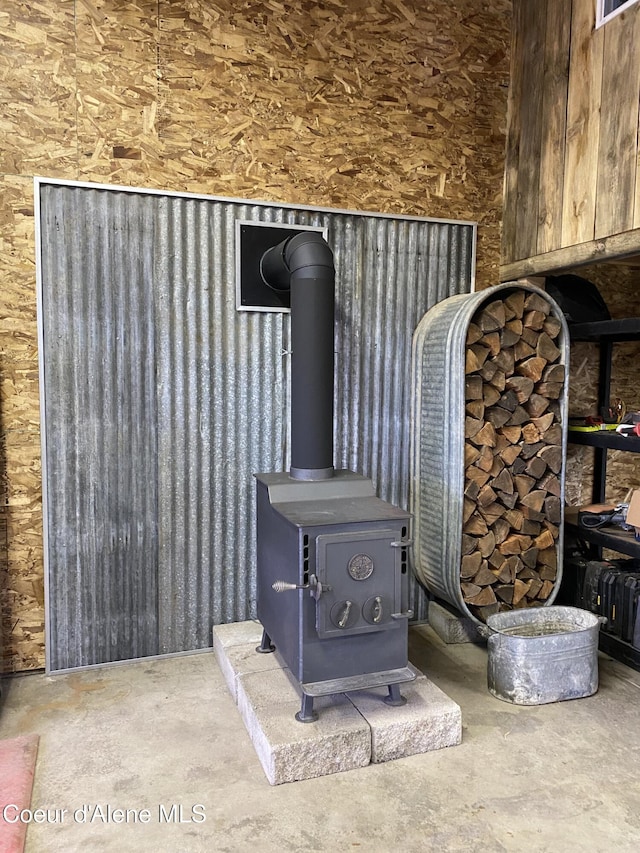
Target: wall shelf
{"points": [[605, 439], [606, 333], [606, 537]]}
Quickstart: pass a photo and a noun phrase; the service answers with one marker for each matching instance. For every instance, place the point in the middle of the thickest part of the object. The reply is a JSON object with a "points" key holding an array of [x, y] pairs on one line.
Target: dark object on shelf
{"points": [[627, 606], [592, 519], [607, 599], [610, 588], [579, 299], [590, 596]]}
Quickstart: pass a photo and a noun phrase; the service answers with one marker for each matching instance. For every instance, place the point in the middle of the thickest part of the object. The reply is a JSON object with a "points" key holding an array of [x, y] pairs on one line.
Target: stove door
{"points": [[363, 572]]}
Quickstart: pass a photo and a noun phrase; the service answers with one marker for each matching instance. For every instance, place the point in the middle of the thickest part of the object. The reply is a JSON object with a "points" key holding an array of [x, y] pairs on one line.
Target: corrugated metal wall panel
{"points": [[162, 400], [100, 416]]}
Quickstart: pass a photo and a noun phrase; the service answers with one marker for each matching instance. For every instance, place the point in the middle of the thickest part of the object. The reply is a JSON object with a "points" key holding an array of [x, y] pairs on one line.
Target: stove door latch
{"points": [[402, 543], [314, 585]]}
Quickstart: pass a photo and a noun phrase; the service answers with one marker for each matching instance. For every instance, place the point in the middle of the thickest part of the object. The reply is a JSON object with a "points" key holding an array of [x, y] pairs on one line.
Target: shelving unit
{"points": [[607, 333]]}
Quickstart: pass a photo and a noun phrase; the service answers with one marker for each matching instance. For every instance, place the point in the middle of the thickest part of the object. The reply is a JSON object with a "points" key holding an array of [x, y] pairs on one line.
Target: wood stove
{"points": [[332, 564]]}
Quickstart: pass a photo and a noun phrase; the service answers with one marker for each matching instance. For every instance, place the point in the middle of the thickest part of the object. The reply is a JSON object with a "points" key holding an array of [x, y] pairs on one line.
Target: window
{"points": [[608, 9]]}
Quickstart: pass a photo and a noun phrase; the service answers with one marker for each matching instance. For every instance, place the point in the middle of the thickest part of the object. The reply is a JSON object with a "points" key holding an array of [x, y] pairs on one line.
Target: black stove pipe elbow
{"points": [[304, 265]]}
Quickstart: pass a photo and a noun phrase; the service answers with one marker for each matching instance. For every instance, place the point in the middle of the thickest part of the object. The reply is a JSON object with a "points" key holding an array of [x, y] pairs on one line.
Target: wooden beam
{"points": [[617, 247]]}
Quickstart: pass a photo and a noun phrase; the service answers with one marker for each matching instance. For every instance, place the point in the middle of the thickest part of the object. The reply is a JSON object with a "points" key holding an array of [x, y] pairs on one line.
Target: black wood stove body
{"points": [[333, 584], [332, 567]]}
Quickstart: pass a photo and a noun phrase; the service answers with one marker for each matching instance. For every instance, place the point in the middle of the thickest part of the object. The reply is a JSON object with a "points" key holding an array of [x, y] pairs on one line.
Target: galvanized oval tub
{"points": [[437, 471], [542, 655]]}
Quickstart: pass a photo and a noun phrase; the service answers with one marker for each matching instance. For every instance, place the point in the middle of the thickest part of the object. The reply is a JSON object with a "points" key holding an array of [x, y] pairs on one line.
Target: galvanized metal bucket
{"points": [[542, 655]]}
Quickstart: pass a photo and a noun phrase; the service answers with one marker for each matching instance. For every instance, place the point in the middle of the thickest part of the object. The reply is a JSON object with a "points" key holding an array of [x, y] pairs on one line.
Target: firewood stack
{"points": [[514, 380]]}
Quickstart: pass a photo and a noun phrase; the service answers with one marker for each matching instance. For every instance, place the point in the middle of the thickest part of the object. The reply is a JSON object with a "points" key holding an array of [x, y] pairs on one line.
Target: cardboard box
{"points": [[633, 513]]}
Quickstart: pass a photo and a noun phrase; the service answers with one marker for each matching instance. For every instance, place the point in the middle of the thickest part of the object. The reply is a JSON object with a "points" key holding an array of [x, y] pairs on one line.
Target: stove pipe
{"points": [[303, 264]]}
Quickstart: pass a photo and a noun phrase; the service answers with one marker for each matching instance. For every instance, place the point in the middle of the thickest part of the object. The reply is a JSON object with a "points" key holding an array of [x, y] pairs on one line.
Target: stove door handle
{"points": [[408, 614], [402, 543], [314, 585], [285, 586]]}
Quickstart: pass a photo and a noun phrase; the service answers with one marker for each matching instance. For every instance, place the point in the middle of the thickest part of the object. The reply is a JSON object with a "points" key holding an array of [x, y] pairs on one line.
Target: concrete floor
{"points": [[556, 778]]}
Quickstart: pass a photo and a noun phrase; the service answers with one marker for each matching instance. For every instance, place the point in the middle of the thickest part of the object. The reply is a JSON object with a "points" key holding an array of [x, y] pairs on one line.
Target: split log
{"points": [[533, 320], [523, 484], [470, 590], [492, 341], [554, 373], [472, 426], [485, 596], [535, 585], [536, 467], [534, 500], [492, 317], [484, 577], [499, 379], [514, 304], [536, 405], [468, 508], [531, 368], [473, 388], [522, 386], [469, 543], [552, 390], [523, 350], [509, 454], [486, 496], [509, 336], [552, 455], [512, 433], [545, 592], [548, 573], [485, 436], [545, 349], [477, 475], [505, 360], [470, 564], [474, 333], [552, 326], [471, 490], [475, 408], [476, 526], [550, 483], [485, 460], [505, 592], [471, 453], [519, 590], [535, 302], [490, 394], [497, 416], [501, 528]]}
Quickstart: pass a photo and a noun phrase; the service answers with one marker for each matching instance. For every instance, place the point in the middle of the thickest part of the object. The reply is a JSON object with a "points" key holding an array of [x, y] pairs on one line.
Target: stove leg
{"points": [[266, 646], [395, 698], [306, 714]]}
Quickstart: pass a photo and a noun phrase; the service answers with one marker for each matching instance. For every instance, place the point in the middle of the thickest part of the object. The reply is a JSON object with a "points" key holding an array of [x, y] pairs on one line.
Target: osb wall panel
{"points": [[385, 105], [619, 286]]}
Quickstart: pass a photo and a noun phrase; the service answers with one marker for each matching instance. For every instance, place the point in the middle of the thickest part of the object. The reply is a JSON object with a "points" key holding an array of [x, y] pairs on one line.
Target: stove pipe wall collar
{"points": [[304, 265]]}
